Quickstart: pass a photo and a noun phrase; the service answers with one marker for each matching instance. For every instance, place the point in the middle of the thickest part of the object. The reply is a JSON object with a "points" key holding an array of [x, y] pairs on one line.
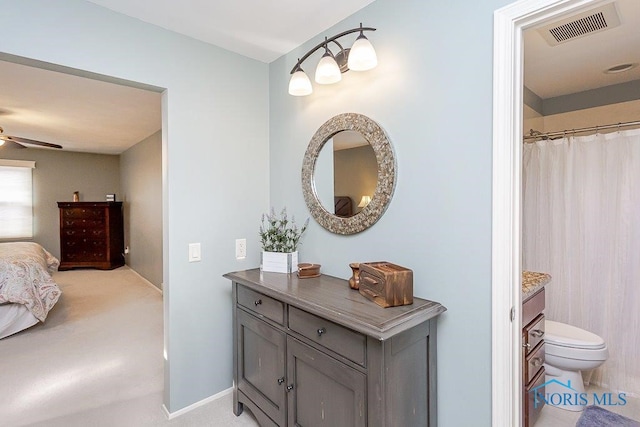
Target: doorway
{"points": [[158, 143], [509, 24]]}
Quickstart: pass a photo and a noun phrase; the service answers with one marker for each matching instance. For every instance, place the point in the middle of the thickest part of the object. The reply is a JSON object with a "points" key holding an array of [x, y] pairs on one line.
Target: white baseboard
{"points": [[145, 280], [171, 415]]}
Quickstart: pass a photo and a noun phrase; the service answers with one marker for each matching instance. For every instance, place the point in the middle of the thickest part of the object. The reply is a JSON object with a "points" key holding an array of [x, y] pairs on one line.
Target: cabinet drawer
{"points": [[533, 400], [339, 339], [533, 333], [533, 362], [532, 307], [261, 304]]}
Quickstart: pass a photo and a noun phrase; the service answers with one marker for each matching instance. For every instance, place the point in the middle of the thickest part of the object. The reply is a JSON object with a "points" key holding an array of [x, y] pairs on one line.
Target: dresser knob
{"points": [[290, 387], [321, 331], [257, 302], [281, 380]]}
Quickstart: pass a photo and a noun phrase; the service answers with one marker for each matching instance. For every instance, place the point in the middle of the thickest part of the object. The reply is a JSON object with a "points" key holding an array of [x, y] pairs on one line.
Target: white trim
{"points": [[171, 415], [509, 22], [144, 279], [18, 163]]}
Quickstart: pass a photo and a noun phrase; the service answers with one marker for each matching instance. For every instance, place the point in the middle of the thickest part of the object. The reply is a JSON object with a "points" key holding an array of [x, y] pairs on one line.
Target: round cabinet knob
{"points": [[257, 302], [321, 331], [290, 387], [281, 380]]}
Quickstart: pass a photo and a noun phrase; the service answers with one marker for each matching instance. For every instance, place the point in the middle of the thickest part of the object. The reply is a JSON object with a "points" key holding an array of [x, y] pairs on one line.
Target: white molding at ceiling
{"points": [[509, 23], [18, 163]]}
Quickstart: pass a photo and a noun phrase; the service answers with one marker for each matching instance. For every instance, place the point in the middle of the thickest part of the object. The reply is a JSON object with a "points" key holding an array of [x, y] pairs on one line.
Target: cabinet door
{"points": [[261, 365], [323, 391]]}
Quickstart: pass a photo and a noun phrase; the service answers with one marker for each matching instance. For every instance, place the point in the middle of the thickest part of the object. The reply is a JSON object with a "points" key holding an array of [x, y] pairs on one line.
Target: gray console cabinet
{"points": [[313, 352]]}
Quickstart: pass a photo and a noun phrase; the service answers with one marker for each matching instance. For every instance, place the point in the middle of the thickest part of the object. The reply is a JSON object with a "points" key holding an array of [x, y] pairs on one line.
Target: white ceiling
{"points": [[79, 113], [259, 29], [577, 65], [88, 115]]}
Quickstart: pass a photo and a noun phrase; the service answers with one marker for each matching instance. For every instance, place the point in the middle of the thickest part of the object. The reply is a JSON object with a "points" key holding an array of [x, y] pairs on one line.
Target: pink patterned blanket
{"points": [[25, 277]]}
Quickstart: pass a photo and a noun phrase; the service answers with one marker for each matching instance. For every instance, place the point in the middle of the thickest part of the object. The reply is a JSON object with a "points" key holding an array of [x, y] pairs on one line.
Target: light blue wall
{"points": [[432, 93], [216, 154], [227, 115]]}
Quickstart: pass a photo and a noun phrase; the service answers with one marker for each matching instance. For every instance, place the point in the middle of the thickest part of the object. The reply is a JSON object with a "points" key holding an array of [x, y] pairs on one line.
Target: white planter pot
{"points": [[279, 262]]}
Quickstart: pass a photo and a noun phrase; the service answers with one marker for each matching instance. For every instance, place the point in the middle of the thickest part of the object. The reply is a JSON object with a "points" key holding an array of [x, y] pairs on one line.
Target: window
{"points": [[16, 199]]}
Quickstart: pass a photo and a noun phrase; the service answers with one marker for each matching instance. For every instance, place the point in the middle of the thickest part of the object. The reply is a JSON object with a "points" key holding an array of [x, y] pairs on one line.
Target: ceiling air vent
{"points": [[585, 23]]}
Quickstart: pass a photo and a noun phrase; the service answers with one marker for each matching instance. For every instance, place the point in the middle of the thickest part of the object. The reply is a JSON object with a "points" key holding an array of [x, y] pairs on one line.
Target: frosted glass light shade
{"points": [[299, 84], [362, 56], [328, 71]]}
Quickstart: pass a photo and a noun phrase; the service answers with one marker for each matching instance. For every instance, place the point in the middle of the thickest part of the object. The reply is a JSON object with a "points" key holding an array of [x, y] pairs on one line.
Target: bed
{"points": [[27, 290]]}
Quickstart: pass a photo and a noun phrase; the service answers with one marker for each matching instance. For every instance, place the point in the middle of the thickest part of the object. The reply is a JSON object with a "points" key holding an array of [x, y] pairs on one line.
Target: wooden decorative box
{"points": [[386, 284]]}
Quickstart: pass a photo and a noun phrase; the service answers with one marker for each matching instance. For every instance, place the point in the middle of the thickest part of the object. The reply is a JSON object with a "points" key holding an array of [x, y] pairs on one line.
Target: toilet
{"points": [[570, 350]]}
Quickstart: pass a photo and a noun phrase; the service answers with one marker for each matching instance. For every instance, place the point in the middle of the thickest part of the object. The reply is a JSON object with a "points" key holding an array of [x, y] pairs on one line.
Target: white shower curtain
{"points": [[581, 224]]}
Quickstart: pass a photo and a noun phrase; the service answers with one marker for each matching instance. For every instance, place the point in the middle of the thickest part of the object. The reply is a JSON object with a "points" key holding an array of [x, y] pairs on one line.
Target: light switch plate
{"points": [[195, 253]]}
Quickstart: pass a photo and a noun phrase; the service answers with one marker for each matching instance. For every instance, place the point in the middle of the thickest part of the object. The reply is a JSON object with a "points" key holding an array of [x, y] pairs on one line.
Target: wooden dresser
{"points": [[533, 356], [91, 235], [314, 352]]}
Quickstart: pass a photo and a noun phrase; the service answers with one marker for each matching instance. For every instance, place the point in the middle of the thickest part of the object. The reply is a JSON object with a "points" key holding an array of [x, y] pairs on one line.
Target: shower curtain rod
{"points": [[536, 135]]}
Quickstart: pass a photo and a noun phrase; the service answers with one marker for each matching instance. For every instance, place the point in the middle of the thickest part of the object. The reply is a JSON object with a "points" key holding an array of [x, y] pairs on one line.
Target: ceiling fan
{"points": [[16, 141]]}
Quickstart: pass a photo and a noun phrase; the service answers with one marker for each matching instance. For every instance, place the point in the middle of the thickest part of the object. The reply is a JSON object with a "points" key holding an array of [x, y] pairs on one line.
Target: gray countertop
{"points": [[532, 282], [333, 299]]}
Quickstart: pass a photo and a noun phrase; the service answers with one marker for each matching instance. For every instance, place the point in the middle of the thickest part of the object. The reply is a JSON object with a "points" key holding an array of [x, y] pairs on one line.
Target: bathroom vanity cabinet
{"points": [[533, 375], [314, 352]]}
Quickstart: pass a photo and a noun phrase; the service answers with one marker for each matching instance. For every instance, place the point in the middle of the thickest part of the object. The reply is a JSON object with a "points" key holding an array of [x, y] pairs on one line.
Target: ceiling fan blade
{"points": [[18, 139], [10, 144]]}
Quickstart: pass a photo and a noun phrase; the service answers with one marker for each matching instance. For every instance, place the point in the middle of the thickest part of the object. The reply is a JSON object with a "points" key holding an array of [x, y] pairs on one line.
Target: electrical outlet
{"points": [[241, 248]]}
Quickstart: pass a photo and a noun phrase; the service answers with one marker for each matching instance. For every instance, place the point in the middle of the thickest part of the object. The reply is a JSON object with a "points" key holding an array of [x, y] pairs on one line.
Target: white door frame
{"points": [[508, 49]]}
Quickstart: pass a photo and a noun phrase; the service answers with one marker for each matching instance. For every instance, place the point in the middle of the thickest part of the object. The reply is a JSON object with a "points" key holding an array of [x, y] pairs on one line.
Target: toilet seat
{"points": [[563, 335]]}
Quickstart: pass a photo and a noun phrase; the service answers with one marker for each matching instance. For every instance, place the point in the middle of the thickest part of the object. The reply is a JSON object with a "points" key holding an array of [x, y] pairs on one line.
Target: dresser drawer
{"points": [[83, 233], [261, 304], [82, 255], [80, 223], [75, 244], [533, 362], [339, 339], [84, 212], [533, 333]]}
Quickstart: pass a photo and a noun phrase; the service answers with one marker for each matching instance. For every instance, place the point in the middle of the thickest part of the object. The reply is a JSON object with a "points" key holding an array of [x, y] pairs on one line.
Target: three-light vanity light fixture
{"points": [[360, 57]]}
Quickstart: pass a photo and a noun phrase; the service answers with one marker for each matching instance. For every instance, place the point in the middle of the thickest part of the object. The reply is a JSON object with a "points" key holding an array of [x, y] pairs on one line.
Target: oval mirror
{"points": [[348, 173]]}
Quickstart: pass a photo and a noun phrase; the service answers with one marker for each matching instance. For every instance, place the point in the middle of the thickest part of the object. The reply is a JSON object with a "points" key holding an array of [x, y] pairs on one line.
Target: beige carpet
{"points": [[97, 360]]}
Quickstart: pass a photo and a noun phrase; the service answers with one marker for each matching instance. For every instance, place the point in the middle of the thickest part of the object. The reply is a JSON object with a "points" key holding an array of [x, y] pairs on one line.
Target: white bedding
{"points": [[14, 318], [25, 280]]}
